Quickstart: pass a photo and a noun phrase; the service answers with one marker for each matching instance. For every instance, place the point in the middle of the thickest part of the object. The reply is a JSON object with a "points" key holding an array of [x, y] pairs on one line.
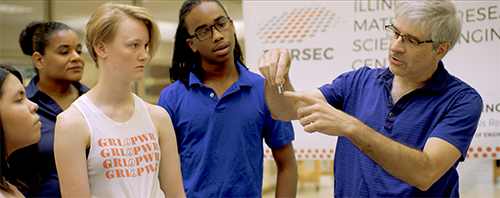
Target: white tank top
{"points": [[124, 157]]}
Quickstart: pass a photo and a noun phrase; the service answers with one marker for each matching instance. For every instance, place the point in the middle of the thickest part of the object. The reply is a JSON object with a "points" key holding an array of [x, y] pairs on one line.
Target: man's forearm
{"points": [[418, 168]]}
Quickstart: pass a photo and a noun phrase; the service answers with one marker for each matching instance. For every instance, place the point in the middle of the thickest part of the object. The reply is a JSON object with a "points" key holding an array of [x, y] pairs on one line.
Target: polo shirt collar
{"points": [[193, 79], [386, 75], [32, 90], [439, 79], [243, 79], [436, 84]]}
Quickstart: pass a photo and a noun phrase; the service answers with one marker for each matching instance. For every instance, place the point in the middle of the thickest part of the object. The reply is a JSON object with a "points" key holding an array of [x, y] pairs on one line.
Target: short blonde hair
{"points": [[102, 26]]}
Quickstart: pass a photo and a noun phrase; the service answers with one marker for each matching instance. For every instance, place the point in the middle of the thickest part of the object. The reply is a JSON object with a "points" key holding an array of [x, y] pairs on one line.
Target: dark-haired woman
{"points": [[19, 126], [56, 52]]}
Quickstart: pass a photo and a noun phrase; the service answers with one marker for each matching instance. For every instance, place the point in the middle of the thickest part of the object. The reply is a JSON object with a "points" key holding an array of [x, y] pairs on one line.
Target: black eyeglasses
{"points": [[410, 41], [207, 32]]}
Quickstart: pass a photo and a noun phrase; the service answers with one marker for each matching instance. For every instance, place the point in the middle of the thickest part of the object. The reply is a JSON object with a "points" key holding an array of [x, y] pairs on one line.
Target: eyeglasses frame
{"points": [[393, 29], [211, 29]]}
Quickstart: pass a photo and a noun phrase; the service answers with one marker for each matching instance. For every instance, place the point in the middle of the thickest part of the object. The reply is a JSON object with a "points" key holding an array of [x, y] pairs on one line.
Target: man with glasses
{"points": [[403, 129], [219, 112]]}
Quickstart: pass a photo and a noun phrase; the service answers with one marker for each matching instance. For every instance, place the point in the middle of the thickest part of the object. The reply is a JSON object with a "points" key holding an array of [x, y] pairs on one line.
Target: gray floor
{"points": [[476, 179]]}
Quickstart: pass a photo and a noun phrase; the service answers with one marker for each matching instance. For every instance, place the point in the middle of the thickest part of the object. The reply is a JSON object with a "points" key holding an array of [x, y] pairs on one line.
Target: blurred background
{"points": [[15, 15]]}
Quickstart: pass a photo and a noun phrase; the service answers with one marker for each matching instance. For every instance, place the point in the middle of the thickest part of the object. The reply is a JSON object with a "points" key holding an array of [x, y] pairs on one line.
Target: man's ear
{"points": [[38, 60], [100, 49], [190, 43], [442, 50]]}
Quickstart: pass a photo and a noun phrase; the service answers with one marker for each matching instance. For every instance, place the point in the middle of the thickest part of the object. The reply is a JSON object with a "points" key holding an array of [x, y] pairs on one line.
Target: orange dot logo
{"points": [[316, 14]]}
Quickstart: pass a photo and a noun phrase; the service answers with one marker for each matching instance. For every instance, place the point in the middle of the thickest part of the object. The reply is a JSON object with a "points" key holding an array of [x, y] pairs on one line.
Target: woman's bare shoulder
{"points": [[157, 112], [71, 118]]}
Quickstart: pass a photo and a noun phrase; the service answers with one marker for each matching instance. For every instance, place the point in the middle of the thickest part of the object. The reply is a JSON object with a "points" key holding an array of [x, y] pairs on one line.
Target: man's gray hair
{"points": [[437, 19]]}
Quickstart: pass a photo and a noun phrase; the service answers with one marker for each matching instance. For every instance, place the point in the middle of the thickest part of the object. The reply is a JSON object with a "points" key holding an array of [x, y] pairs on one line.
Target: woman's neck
{"points": [[62, 92], [112, 92], [54, 88], [113, 97]]}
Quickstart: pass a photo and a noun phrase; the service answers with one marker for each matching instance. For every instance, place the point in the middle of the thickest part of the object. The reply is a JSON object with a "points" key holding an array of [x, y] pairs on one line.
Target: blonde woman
{"points": [[110, 143]]}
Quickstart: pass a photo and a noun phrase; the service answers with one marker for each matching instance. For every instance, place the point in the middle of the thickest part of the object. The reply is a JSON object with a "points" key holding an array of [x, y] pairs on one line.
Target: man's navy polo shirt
{"points": [[446, 108]]}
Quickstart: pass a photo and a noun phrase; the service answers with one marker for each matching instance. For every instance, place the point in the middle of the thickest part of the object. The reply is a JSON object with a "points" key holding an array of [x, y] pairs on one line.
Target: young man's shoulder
{"points": [[254, 77], [173, 91]]}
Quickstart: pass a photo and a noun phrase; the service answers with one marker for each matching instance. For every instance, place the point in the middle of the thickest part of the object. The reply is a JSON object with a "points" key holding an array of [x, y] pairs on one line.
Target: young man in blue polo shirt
{"points": [[219, 112], [403, 129]]}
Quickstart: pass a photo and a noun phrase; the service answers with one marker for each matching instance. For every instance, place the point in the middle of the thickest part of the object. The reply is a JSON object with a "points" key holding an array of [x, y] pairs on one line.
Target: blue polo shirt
{"points": [[446, 108], [48, 110], [220, 141]]}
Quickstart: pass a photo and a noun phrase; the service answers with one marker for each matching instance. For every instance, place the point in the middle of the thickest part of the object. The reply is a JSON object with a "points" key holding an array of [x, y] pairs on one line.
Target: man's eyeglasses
{"points": [[206, 33], [409, 41]]}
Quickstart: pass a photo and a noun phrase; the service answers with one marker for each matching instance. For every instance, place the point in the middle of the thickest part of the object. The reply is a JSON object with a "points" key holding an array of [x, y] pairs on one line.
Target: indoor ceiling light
{"points": [[14, 9]]}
